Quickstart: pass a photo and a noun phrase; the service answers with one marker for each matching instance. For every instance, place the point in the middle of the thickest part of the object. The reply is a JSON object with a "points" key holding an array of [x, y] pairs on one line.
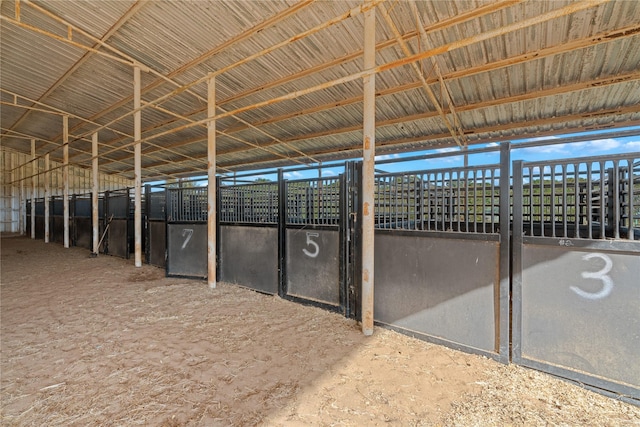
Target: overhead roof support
{"points": [[432, 97], [368, 171]]}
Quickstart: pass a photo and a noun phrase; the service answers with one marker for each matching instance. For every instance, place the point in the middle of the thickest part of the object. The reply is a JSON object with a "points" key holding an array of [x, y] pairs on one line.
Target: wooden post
{"points": [[368, 172], [33, 188], [137, 132], [211, 189], [94, 193], [46, 198], [65, 177]]}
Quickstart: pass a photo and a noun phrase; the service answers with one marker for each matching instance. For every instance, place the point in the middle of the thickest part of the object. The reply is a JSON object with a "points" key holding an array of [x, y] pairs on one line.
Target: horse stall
{"points": [[118, 237], [82, 222], [39, 218], [249, 235], [155, 226], [314, 239], [576, 278], [186, 232], [441, 256], [56, 219], [28, 218]]}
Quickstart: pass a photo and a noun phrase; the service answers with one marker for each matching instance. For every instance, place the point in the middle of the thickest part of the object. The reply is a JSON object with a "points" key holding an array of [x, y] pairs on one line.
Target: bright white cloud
{"points": [[632, 145], [293, 175], [387, 157], [447, 150]]}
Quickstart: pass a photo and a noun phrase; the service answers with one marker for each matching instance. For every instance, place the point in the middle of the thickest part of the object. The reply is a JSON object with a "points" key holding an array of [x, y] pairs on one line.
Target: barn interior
{"points": [[143, 129]]}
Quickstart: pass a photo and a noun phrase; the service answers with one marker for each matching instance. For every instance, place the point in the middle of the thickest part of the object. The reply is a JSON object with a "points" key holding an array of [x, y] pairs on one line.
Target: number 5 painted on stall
{"points": [[311, 242], [186, 232], [607, 283]]}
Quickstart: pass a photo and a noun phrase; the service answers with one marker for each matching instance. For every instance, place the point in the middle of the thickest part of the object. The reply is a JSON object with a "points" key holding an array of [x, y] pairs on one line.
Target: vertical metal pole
{"points": [[22, 207], [94, 192], [33, 188], [65, 178], [46, 198], [516, 349], [211, 189], [137, 132], [368, 173], [282, 234], [503, 332]]}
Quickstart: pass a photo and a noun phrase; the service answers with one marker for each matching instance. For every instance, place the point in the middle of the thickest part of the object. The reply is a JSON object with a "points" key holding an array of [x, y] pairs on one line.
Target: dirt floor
{"points": [[96, 341]]}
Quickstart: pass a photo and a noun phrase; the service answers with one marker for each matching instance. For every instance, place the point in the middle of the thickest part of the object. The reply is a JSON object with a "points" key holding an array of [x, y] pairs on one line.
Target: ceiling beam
{"points": [[111, 31], [575, 87], [355, 149]]}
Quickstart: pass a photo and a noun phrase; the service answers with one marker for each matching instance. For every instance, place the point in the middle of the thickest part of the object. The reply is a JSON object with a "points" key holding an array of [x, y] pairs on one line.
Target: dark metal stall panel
{"points": [[187, 250], [156, 228], [82, 224], [441, 255], [580, 310], [117, 213], [441, 287], [157, 243], [313, 265], [118, 243], [576, 287], [187, 232], [40, 219], [57, 220], [313, 241], [249, 237], [249, 257], [28, 224]]}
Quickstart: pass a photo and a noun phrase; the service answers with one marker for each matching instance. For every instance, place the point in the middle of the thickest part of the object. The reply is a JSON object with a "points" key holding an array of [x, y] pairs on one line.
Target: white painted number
{"points": [[186, 233], [311, 242], [607, 283]]}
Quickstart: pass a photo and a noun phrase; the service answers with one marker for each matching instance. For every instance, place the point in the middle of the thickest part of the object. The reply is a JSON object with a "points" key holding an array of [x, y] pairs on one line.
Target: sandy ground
{"points": [[99, 342]]}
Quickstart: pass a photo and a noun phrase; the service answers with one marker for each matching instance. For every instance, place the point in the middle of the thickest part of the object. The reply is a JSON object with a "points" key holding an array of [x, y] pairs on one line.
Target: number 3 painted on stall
{"points": [[312, 243], [607, 283]]}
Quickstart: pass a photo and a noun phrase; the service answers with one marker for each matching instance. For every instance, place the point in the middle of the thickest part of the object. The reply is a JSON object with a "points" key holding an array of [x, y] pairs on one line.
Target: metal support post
{"points": [[94, 193], [46, 198], [137, 132], [65, 178], [368, 174], [505, 252], [211, 189], [33, 188]]}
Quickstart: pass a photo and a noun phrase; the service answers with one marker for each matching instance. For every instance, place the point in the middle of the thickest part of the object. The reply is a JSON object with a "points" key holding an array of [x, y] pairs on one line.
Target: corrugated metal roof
{"points": [[574, 72]]}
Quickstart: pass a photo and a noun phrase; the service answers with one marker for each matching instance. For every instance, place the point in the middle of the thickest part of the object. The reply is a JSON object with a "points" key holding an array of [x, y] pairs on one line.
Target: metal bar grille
{"points": [[456, 200], [249, 203], [313, 201], [157, 205], [187, 204], [592, 198]]}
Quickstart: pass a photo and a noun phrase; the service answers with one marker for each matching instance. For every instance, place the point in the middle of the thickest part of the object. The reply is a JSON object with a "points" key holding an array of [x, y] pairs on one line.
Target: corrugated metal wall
{"points": [[17, 179]]}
